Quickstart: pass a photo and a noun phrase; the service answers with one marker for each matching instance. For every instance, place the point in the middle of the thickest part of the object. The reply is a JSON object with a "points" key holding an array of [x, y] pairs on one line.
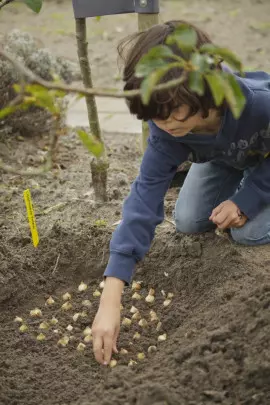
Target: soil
{"points": [[218, 322], [217, 325]]}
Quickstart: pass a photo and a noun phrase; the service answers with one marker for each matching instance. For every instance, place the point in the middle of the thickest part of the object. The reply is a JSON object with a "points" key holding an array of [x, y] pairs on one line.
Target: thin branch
{"points": [[56, 264], [16, 101], [5, 2], [100, 92]]}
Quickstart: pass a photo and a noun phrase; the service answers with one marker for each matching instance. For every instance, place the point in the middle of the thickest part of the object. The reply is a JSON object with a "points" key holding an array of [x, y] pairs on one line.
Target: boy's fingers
{"points": [[224, 225], [215, 212], [231, 221], [239, 223], [220, 218], [108, 345], [97, 347], [115, 350], [115, 344]]}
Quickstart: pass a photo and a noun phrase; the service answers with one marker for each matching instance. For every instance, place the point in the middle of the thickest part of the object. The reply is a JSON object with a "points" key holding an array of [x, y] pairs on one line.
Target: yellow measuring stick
{"points": [[31, 217]]}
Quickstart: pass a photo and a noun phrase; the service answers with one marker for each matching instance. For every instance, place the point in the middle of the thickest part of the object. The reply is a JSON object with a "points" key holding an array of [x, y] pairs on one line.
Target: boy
{"points": [[227, 187]]}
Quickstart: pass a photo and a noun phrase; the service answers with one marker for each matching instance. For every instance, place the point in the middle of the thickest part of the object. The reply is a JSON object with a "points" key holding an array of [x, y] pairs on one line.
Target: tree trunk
{"points": [[99, 167], [146, 21]]}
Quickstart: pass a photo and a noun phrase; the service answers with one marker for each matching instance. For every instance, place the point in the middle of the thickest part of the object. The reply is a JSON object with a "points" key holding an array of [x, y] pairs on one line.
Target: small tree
{"points": [[94, 141], [197, 69]]}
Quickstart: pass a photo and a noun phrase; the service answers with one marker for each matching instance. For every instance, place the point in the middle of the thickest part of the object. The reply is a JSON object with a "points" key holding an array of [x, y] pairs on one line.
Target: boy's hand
{"points": [[106, 324], [227, 215]]}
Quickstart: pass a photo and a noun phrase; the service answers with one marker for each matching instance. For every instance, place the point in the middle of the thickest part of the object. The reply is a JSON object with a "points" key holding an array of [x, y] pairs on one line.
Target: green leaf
{"points": [[145, 69], [153, 79], [7, 111], [185, 37], [34, 88], [160, 51], [216, 84], [100, 223], [37, 89], [200, 62], [59, 93], [196, 82], [93, 145], [17, 87], [231, 59], [227, 55], [224, 85], [157, 57], [79, 96], [34, 5], [234, 95], [44, 98]]}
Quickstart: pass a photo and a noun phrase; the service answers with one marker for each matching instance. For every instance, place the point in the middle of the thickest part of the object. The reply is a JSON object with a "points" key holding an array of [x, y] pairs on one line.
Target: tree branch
{"points": [[100, 92], [5, 2], [99, 166]]}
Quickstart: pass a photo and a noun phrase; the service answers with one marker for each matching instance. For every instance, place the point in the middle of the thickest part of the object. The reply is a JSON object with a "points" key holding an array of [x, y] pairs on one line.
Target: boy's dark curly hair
{"points": [[162, 103]]}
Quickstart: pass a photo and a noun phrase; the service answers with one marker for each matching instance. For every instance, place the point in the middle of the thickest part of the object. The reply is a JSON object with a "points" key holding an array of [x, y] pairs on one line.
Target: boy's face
{"points": [[175, 127]]}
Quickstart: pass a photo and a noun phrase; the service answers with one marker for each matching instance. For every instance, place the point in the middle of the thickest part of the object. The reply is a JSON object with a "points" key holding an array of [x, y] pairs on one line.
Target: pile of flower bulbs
{"points": [[48, 326]]}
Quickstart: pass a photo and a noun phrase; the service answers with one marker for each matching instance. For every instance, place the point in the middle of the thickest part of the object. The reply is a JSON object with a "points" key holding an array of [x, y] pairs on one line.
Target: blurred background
{"points": [[242, 25]]}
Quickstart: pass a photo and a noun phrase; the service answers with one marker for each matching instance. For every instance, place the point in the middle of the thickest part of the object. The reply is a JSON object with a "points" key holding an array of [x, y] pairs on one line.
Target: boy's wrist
{"points": [[112, 291], [120, 266]]}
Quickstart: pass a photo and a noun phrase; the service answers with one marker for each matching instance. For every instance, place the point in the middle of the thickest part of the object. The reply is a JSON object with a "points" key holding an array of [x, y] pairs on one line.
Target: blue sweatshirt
{"points": [[240, 144]]}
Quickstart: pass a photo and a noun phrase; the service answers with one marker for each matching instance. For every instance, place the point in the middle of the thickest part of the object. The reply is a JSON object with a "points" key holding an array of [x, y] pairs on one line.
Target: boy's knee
{"points": [[251, 234], [188, 224], [185, 226]]}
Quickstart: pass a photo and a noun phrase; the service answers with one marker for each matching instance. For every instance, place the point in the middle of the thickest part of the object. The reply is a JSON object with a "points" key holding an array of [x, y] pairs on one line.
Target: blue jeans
{"points": [[205, 187]]}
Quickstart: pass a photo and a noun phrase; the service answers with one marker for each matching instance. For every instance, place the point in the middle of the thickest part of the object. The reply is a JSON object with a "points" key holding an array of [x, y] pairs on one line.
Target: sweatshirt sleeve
{"points": [[255, 194], [143, 209]]}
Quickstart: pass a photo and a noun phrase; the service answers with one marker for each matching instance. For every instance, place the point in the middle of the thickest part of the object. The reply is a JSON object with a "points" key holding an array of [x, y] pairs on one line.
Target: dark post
{"points": [[94, 8]]}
